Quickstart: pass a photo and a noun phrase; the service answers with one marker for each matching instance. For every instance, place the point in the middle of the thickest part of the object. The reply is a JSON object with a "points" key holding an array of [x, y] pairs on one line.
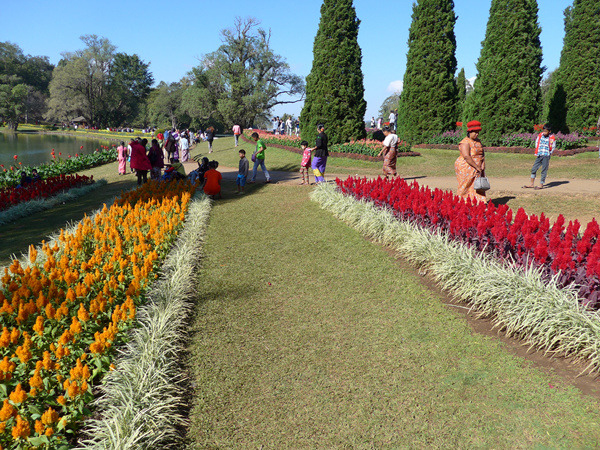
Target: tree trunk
{"points": [[12, 126]]}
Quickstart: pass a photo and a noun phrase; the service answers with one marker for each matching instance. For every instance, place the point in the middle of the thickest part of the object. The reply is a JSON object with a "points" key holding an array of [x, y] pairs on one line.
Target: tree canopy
{"points": [[334, 87], [507, 93], [242, 80], [429, 98], [572, 101], [103, 86]]}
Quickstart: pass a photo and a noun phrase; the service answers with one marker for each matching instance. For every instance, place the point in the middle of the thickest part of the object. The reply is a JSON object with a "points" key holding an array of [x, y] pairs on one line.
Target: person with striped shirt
{"points": [[545, 144]]}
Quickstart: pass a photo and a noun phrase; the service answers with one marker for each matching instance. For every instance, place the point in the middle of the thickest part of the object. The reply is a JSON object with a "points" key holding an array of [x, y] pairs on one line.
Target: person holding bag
{"points": [[470, 165]]}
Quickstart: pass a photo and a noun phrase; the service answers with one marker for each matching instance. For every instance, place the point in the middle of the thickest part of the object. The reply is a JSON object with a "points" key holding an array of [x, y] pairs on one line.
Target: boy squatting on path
{"points": [[242, 172], [305, 164], [545, 145]]}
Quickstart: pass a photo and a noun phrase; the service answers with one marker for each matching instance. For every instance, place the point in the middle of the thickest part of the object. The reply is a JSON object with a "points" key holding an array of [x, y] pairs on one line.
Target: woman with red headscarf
{"points": [[471, 163]]}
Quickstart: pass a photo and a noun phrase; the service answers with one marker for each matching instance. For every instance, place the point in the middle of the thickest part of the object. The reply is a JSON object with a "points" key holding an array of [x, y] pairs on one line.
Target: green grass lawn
{"points": [[308, 336]]}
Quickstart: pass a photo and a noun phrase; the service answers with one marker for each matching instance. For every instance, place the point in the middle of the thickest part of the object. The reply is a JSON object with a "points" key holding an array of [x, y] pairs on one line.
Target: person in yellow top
{"points": [[471, 163]]}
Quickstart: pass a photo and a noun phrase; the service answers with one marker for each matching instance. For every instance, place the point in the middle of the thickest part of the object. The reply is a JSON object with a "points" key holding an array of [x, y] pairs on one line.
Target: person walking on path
{"points": [[319, 162], [259, 159], [243, 169], [471, 163], [139, 161], [545, 145], [122, 150], [157, 161], [389, 152], [210, 135], [184, 147], [305, 163], [237, 130], [392, 120]]}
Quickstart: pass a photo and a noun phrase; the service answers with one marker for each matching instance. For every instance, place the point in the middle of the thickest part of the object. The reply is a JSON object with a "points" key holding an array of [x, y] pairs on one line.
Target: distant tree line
{"points": [[238, 83]]}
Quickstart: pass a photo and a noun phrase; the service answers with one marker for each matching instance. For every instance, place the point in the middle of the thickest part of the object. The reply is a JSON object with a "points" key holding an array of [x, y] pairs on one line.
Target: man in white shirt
{"points": [[389, 153], [392, 120]]}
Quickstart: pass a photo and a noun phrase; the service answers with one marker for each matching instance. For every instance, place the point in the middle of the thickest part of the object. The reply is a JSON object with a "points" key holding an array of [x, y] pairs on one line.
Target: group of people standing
{"points": [[141, 159]]}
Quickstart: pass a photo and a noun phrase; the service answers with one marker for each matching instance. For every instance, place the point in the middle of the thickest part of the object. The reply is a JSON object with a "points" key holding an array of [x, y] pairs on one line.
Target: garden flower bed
{"points": [[65, 310], [366, 150], [522, 150], [522, 241], [11, 176], [521, 300], [12, 196]]}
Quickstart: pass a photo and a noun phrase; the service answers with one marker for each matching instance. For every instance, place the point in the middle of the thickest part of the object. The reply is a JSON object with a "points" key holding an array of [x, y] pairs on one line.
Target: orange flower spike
{"points": [[66, 337], [23, 353], [41, 301], [75, 327], [71, 296], [50, 311], [21, 429], [7, 411], [47, 362], [82, 313], [39, 325], [15, 334], [36, 380], [61, 400], [32, 254], [18, 396], [39, 427], [50, 417], [5, 338]]}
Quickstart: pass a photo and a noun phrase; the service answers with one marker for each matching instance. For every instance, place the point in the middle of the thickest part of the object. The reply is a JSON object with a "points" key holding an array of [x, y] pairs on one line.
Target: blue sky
{"points": [[173, 36]]}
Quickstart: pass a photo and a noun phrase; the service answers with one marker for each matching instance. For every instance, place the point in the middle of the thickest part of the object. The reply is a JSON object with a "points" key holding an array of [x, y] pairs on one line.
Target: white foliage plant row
{"points": [[520, 301], [142, 399]]}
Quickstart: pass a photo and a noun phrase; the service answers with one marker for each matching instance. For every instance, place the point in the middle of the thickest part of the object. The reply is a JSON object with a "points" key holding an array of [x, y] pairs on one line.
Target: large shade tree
{"points": [[99, 84], [334, 87], [428, 104], [242, 80], [573, 100], [507, 94], [24, 83]]}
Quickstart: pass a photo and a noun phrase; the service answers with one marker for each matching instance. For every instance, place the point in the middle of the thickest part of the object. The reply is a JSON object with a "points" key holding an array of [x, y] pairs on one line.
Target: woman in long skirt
{"points": [[122, 158]]}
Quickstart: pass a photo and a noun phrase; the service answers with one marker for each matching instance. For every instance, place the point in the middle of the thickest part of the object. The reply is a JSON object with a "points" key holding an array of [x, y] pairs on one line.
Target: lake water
{"points": [[33, 149]]}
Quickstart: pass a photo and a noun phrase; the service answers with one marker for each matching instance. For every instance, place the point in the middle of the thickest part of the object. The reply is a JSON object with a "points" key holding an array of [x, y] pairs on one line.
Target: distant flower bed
{"points": [[447, 137], [527, 140], [12, 196], [366, 147], [60, 165]]}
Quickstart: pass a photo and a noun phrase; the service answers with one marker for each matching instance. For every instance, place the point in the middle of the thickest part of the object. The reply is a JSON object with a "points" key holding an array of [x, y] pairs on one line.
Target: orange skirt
{"points": [[465, 174]]}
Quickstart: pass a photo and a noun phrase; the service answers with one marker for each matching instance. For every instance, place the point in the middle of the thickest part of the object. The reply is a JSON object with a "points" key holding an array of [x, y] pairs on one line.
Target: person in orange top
{"points": [[213, 177], [471, 163]]}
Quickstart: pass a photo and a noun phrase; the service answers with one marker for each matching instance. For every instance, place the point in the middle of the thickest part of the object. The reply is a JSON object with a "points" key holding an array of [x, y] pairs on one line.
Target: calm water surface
{"points": [[33, 149]]}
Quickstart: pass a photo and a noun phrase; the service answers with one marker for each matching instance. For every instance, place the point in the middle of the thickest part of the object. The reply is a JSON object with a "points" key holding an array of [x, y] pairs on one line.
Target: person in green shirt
{"points": [[259, 159]]}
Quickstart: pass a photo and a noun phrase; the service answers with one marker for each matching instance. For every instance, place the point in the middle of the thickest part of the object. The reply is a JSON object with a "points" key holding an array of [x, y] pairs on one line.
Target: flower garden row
{"points": [[12, 196], [64, 312], [11, 176], [366, 147], [521, 240], [518, 140]]}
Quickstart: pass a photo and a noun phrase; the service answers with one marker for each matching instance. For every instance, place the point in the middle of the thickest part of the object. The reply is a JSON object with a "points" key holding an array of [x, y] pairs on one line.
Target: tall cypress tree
{"points": [[334, 87], [573, 102], [429, 97], [461, 85], [507, 91]]}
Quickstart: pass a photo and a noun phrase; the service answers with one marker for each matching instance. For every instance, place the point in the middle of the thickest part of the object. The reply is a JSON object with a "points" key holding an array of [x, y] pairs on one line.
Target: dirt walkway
{"points": [[513, 185]]}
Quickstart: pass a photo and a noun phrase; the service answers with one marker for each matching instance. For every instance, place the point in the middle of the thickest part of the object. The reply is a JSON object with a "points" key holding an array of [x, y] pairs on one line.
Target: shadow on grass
{"points": [[555, 184], [503, 200]]}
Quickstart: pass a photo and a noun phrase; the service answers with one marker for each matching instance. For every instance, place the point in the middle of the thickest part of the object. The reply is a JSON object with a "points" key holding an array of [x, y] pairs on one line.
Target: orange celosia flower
{"points": [[5, 337], [21, 429], [39, 325], [50, 417], [61, 400], [36, 380], [39, 427], [47, 362], [49, 431], [75, 327], [18, 395], [7, 411], [82, 313]]}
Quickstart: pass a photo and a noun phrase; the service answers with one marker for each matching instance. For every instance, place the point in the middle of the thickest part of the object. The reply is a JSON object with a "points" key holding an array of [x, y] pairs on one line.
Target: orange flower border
{"points": [[67, 308]]}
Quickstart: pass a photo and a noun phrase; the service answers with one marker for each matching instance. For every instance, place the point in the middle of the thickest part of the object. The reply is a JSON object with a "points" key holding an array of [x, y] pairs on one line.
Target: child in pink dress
{"points": [[305, 164]]}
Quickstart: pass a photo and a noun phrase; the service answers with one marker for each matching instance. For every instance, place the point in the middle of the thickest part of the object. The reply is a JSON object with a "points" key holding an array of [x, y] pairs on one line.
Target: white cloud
{"points": [[395, 86]]}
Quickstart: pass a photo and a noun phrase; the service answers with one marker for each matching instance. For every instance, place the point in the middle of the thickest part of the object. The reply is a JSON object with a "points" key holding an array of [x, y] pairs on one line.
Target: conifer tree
{"points": [[461, 85], [334, 87], [507, 93], [573, 102], [429, 98]]}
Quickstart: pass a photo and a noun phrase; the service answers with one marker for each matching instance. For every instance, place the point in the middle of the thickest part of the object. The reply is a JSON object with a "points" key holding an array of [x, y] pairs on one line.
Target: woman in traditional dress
{"points": [[389, 152], [122, 158], [471, 163], [319, 162]]}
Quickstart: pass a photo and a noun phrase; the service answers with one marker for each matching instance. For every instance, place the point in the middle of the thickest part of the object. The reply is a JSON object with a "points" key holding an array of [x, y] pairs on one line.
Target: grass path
{"points": [[309, 336]]}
